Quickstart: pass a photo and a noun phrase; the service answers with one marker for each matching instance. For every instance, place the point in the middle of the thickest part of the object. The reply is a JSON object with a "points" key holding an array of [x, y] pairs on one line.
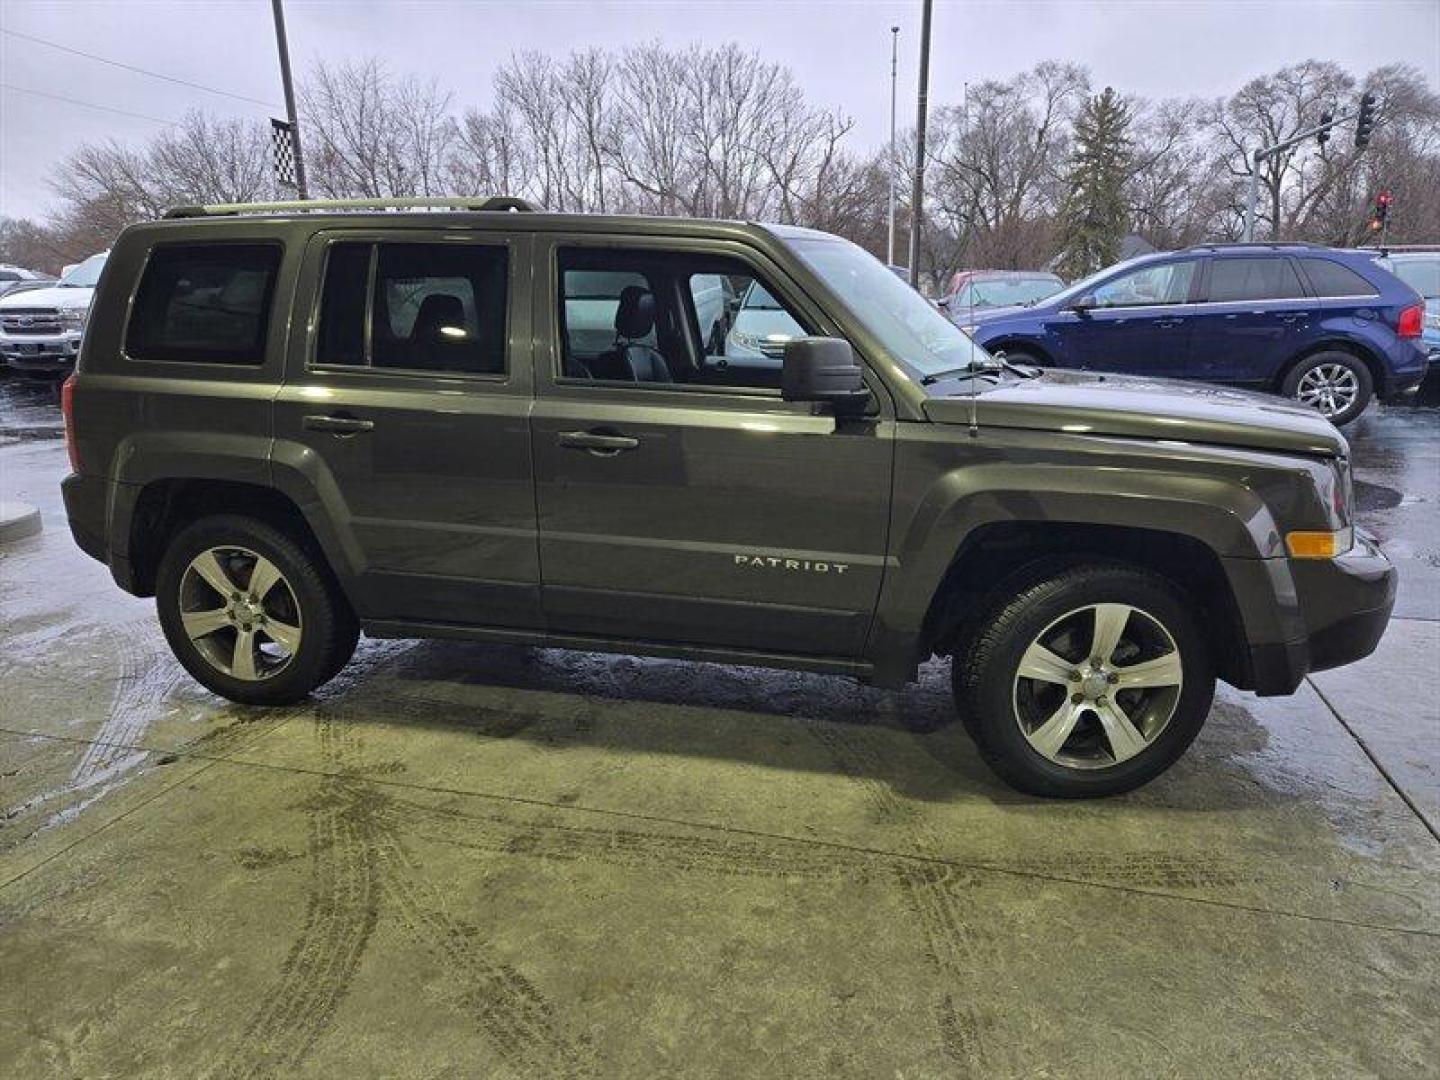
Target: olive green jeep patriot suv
{"points": [[712, 440]]}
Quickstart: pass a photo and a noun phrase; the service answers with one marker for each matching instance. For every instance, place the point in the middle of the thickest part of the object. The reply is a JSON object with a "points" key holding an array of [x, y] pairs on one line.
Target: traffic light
{"points": [[1365, 122], [1381, 211], [1323, 135]]}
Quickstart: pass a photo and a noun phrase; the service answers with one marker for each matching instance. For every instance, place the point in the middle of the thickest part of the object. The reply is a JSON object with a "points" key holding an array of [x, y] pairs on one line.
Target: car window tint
{"points": [[204, 303], [439, 307], [434, 307], [671, 318], [342, 305], [1162, 283], [1253, 279]]}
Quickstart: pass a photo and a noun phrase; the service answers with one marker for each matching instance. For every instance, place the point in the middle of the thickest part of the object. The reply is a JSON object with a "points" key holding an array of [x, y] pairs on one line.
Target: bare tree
{"points": [[372, 134]]}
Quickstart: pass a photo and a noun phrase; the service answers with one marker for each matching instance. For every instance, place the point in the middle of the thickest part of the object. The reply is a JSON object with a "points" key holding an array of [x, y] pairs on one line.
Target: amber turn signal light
{"points": [[1319, 545]]}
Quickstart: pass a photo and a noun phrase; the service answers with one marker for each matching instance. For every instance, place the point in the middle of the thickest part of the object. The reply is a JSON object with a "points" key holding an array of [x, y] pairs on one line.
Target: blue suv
{"points": [[1327, 327]]}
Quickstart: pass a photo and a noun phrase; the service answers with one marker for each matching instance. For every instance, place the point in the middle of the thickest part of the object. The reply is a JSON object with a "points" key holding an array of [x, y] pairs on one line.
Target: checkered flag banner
{"points": [[282, 146]]}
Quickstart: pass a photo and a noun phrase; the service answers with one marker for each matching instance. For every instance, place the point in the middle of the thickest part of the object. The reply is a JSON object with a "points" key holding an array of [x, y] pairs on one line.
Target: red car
{"points": [[979, 290]]}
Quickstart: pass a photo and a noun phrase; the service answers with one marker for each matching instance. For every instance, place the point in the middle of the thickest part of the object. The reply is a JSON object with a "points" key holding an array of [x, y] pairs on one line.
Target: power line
{"points": [[138, 70], [87, 104]]}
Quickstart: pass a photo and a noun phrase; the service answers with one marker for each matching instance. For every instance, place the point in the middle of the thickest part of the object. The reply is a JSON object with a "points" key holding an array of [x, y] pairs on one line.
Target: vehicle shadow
{"points": [[911, 740]]}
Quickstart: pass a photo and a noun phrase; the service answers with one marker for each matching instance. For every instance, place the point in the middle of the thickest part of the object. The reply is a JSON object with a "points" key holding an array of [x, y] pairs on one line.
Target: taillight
{"points": [[67, 410], [1412, 322]]}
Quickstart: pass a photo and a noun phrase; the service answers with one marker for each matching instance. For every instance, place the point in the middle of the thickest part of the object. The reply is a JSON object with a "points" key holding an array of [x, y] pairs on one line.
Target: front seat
{"points": [[632, 359]]}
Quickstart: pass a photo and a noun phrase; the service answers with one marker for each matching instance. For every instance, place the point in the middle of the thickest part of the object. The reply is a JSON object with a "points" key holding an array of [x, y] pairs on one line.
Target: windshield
{"points": [[86, 274], [1007, 292], [904, 322]]}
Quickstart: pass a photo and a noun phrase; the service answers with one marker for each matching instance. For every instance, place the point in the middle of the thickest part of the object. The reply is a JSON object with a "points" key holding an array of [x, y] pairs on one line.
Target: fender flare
{"points": [[1224, 515]]}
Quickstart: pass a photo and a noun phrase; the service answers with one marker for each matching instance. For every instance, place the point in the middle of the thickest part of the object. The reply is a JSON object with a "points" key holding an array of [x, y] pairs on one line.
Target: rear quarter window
{"points": [[1330, 278], [204, 304]]}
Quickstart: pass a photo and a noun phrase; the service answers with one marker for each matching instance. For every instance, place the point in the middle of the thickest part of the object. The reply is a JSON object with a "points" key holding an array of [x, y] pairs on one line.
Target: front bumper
{"points": [[39, 354], [1343, 605]]}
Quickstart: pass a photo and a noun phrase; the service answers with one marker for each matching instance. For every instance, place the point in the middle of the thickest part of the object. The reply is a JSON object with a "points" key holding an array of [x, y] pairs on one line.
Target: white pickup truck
{"points": [[40, 329]]}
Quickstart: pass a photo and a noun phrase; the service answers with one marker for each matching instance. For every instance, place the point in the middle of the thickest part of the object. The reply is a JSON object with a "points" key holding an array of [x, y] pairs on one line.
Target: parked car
{"points": [[1421, 271], [1325, 327], [982, 290], [761, 330], [40, 329], [297, 422], [12, 277]]}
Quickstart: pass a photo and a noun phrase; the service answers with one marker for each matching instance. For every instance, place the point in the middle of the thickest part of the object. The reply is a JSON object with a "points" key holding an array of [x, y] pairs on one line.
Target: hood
{"points": [[1083, 402], [963, 315], [54, 297]]}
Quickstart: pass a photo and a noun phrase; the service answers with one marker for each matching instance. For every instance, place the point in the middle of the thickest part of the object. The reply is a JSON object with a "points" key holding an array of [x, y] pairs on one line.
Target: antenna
{"points": [[974, 375]]}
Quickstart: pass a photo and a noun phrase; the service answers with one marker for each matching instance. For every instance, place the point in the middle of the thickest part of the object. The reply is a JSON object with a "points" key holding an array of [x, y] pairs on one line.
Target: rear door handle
{"points": [[339, 425], [601, 443], [1166, 324], [1294, 316]]}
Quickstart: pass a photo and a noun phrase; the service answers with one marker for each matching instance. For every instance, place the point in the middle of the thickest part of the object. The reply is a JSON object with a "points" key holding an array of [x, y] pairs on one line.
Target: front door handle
{"points": [[1166, 324], [1294, 316], [339, 425], [601, 443]]}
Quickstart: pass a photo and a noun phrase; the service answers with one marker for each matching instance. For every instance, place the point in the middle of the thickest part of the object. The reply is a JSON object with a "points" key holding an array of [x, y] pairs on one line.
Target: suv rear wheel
{"points": [[251, 614], [1335, 383], [1089, 682]]}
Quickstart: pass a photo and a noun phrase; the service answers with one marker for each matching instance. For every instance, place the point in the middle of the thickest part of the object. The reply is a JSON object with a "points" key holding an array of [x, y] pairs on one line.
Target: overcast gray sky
{"points": [[839, 52]]}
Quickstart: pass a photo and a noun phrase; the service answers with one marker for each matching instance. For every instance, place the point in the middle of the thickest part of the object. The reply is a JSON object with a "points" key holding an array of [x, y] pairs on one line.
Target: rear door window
{"points": [[204, 304], [432, 307], [1253, 279]]}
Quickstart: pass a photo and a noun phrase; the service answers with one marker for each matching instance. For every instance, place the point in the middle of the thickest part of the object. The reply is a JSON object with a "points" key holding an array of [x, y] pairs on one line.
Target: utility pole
{"points": [[917, 191], [894, 53], [279, 9]]}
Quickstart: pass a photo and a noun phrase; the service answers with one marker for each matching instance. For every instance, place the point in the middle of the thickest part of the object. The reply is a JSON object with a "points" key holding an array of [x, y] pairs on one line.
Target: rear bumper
{"points": [[1342, 606]]}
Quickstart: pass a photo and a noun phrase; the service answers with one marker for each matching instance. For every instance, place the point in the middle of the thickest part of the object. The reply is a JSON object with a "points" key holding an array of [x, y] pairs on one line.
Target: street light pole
{"points": [[894, 54], [917, 191], [277, 6]]}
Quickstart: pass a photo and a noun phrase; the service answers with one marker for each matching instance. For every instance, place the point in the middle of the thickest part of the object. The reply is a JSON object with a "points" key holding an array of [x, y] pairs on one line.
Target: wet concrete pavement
{"points": [[488, 861]]}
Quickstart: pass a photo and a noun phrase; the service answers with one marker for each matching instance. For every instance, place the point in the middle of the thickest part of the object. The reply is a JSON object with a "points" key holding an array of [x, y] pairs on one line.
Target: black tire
{"points": [[988, 695], [1291, 387], [330, 631]]}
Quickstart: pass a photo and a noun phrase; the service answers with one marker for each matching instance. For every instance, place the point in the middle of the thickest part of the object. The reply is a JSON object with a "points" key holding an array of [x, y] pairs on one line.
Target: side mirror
{"points": [[825, 370], [943, 303], [1083, 305]]}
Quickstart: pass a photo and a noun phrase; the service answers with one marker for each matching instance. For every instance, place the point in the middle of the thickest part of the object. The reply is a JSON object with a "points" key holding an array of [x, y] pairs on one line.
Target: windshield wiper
{"points": [[993, 366]]}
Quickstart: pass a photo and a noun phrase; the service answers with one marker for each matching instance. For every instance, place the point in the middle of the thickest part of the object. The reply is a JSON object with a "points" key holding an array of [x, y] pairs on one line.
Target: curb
{"points": [[17, 521]]}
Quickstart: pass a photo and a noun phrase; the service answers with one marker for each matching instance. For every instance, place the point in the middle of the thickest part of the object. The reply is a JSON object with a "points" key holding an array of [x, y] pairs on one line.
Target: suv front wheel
{"points": [[1336, 384], [250, 613], [1089, 682]]}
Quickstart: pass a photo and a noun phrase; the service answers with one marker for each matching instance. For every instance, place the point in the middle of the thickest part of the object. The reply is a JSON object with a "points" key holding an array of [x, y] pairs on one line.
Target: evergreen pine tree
{"points": [[1094, 218]]}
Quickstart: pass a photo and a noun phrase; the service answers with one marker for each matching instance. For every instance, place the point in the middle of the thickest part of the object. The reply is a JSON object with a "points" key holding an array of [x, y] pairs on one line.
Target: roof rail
{"points": [[447, 202], [1253, 244]]}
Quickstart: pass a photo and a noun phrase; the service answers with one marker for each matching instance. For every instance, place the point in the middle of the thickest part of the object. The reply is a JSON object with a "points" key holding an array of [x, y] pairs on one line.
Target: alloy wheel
{"points": [[1097, 686], [240, 613], [1330, 388]]}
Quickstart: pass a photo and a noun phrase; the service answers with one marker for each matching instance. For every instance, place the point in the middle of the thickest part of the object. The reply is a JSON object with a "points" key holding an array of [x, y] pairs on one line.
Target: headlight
{"points": [[1432, 320], [74, 318], [970, 329], [745, 341]]}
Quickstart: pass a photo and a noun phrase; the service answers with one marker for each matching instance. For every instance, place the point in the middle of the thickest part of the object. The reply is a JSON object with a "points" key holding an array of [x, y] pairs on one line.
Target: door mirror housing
{"points": [[825, 370], [1083, 305]]}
